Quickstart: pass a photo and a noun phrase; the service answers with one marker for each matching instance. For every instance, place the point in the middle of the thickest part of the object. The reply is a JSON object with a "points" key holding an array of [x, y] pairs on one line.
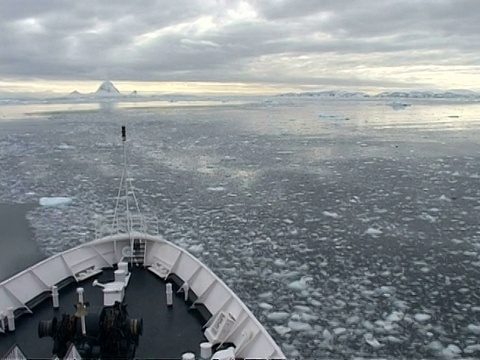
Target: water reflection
{"points": [[16, 110]]}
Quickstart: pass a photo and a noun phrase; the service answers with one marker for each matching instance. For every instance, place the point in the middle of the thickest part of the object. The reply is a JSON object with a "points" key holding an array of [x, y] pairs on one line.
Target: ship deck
{"points": [[168, 332]]}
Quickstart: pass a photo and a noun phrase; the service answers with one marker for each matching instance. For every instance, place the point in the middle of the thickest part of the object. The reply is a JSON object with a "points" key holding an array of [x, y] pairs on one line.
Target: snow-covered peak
{"points": [[430, 94], [107, 89], [76, 94], [328, 94]]}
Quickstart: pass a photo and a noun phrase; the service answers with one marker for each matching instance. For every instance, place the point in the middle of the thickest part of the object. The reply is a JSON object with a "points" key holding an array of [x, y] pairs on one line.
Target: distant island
{"points": [[407, 94]]}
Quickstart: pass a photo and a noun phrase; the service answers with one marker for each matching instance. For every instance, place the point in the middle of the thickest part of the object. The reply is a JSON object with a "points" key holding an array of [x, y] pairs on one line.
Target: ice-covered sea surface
{"points": [[352, 235]]}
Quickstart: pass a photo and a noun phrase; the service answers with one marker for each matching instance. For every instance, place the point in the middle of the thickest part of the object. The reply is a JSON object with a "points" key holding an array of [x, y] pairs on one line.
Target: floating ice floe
{"points": [[395, 316], [427, 217], [327, 335], [370, 340], [470, 349], [396, 105], [422, 317], [333, 117], [373, 232], [278, 316], [265, 306], [333, 215], [196, 248], [281, 330], [435, 346], [451, 351], [354, 319], [382, 290], [474, 329], [279, 262], [216, 188], [301, 284], [266, 295], [299, 326], [65, 147], [55, 201]]}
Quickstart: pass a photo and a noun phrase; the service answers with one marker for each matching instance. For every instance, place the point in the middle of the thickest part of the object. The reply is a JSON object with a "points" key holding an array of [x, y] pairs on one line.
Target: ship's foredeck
{"points": [[168, 332]]}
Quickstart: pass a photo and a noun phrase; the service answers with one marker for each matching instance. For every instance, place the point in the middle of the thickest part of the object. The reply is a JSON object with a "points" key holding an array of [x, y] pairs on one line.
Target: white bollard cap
{"points": [[188, 356], [205, 350], [123, 266], [119, 275]]}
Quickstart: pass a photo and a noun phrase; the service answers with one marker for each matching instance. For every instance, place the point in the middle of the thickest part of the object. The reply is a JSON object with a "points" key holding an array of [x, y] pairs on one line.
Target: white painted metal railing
{"points": [[162, 258]]}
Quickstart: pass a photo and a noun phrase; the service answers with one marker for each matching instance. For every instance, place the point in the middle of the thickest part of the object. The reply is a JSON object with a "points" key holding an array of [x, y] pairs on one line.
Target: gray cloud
{"points": [[365, 43]]}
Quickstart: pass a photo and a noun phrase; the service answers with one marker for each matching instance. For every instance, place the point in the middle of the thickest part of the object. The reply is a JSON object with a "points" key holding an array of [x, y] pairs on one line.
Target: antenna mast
{"points": [[125, 175], [124, 182]]}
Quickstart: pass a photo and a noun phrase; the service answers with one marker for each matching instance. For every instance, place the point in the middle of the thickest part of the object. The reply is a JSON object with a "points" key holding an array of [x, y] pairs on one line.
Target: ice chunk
{"points": [[373, 232], [196, 248], [333, 215], [265, 306], [266, 295], [302, 308], [64, 146], [333, 117], [454, 349], [301, 284], [394, 340], [355, 319], [281, 330], [299, 326], [427, 217], [382, 290], [279, 262], [435, 346], [278, 316], [396, 105], [327, 335], [339, 331], [370, 340], [470, 349], [216, 188], [55, 201], [309, 317], [395, 316], [315, 302], [474, 329], [422, 317]]}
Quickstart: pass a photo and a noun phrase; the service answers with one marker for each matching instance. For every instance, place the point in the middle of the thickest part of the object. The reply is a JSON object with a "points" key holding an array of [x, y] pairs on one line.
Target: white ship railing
{"points": [[162, 258], [111, 224]]}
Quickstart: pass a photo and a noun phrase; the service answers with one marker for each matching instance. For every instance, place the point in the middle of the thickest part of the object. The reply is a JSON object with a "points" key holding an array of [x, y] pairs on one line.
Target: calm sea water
{"points": [[349, 227]]}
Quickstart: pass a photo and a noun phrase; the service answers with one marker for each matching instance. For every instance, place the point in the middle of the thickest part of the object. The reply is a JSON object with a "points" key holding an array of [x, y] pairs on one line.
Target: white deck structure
{"points": [[231, 320]]}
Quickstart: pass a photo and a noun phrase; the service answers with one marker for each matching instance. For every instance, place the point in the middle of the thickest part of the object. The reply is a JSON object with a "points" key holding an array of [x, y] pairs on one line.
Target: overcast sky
{"points": [[367, 45]]}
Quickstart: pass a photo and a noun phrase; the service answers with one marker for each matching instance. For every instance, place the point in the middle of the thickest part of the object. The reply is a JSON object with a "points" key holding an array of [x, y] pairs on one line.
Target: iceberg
{"points": [[107, 89], [396, 105], [55, 201], [333, 116]]}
